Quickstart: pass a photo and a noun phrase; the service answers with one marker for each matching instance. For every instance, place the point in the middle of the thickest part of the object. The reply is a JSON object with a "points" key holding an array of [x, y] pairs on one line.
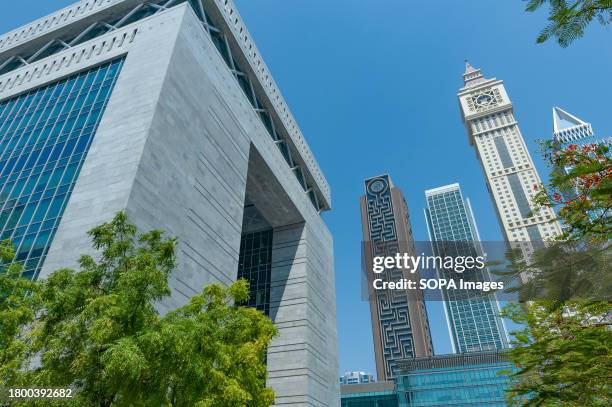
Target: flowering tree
{"points": [[563, 353], [580, 187]]}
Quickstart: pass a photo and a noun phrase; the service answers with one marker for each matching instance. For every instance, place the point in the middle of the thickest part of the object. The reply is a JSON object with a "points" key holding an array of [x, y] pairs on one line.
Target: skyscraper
{"points": [[166, 110], [399, 318], [569, 129], [356, 378], [473, 319], [511, 176]]}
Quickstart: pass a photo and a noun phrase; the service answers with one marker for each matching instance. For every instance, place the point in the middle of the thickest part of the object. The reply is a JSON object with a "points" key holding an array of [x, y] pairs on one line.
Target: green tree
{"points": [[563, 352], [18, 305], [100, 332], [569, 19]]}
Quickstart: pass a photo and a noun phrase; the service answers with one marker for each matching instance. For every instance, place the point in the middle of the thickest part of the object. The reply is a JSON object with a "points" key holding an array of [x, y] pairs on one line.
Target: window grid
{"points": [[255, 265], [44, 137], [473, 319]]}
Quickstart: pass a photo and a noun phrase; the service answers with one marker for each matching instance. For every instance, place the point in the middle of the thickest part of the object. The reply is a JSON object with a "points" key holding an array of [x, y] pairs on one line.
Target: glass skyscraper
{"points": [[45, 135], [473, 318]]}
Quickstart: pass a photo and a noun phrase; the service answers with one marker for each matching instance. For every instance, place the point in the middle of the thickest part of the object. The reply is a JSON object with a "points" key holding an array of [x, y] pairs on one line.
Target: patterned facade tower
{"points": [[492, 129], [473, 318], [399, 318]]}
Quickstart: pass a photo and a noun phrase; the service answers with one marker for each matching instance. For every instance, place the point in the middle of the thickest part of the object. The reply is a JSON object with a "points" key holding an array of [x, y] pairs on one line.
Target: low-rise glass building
{"points": [[459, 380], [377, 394]]}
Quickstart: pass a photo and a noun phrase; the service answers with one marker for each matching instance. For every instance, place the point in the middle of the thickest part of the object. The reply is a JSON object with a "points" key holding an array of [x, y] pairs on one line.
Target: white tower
{"points": [[568, 128], [492, 129]]}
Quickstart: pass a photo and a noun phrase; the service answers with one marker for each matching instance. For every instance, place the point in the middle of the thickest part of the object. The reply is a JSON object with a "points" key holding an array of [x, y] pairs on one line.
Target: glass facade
{"points": [[44, 138], [370, 399], [473, 319], [519, 195], [255, 266], [458, 382], [502, 150]]}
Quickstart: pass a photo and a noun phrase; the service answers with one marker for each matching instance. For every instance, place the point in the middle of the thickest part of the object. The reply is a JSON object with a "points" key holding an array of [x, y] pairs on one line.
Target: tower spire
{"points": [[468, 67], [472, 76]]}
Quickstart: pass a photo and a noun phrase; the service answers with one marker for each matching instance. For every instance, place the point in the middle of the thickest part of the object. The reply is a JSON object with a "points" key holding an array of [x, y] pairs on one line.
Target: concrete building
{"points": [[473, 318], [356, 378], [493, 131], [166, 110], [399, 317]]}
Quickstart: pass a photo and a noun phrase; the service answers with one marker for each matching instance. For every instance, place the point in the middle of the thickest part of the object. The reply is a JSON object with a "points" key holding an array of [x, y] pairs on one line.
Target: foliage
{"points": [[563, 351], [559, 272], [580, 187], [18, 304], [100, 332], [563, 354], [569, 19]]}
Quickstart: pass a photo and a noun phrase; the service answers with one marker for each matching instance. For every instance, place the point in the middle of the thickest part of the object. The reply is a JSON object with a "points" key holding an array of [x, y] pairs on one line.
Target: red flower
{"points": [[571, 147], [535, 187], [557, 197]]}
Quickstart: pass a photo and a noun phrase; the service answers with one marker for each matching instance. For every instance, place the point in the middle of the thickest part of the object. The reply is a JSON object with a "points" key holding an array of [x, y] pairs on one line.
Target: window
{"points": [[37, 182]]}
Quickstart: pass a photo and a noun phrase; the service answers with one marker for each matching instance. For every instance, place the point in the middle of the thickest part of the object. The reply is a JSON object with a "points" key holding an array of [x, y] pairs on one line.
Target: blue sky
{"points": [[373, 84]]}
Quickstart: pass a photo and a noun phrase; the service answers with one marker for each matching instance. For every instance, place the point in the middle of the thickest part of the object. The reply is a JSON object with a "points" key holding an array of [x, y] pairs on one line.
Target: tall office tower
{"points": [[492, 129], [399, 318], [568, 129], [356, 378], [473, 319], [166, 110]]}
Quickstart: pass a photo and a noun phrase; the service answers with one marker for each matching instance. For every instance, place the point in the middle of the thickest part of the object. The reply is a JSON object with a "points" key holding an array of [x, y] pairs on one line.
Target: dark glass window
{"points": [[519, 195], [255, 266], [57, 122], [502, 150]]}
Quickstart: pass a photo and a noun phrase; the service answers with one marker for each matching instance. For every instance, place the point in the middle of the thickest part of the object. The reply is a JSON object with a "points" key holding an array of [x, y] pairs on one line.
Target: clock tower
{"points": [[511, 176]]}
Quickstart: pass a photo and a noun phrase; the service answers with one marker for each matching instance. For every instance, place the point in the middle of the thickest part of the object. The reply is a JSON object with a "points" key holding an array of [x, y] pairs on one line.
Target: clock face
{"points": [[484, 100]]}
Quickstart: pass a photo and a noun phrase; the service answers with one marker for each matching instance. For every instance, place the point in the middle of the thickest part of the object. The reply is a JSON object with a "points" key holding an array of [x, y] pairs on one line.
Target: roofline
{"points": [[450, 187], [81, 12]]}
